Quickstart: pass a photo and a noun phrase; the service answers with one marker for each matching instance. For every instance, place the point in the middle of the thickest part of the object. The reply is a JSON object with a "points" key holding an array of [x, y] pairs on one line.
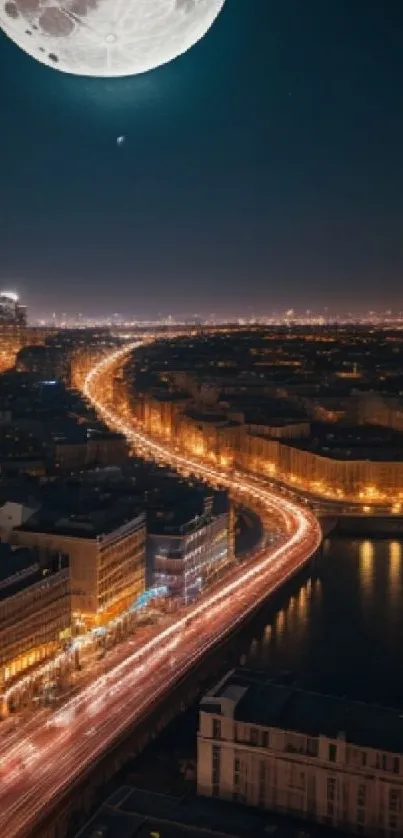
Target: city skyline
{"points": [[260, 171], [201, 403]]}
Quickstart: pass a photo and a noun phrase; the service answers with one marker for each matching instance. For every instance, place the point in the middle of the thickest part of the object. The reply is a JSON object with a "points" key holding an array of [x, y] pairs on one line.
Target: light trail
{"points": [[43, 760]]}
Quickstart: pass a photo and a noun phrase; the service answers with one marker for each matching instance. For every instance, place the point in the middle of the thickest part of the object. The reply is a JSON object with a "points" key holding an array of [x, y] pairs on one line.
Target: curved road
{"points": [[45, 756]]}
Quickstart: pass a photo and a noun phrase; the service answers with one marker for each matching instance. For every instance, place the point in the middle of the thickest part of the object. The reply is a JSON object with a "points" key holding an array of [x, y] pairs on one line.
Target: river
{"points": [[337, 628], [340, 629]]}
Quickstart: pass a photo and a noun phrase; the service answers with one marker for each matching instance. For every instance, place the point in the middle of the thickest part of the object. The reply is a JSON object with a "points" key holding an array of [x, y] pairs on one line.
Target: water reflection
{"points": [[317, 589], [287, 625], [265, 646], [280, 623], [332, 634], [366, 561], [302, 604], [395, 556]]}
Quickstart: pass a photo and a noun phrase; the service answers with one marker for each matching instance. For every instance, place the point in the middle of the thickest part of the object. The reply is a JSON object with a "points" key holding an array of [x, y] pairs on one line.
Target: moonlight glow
{"points": [[107, 38]]}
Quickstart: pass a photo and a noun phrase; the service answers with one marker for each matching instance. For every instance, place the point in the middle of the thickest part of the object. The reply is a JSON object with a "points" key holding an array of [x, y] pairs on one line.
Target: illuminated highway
{"points": [[45, 755]]}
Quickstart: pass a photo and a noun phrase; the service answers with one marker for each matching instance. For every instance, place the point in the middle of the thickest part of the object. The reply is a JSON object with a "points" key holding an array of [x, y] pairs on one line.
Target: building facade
{"points": [[11, 310], [107, 562], [186, 555], [350, 479], [316, 757], [35, 612], [14, 337], [210, 436]]}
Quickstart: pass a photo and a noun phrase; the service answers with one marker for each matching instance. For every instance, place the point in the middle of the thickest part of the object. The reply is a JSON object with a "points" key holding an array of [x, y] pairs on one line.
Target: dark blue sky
{"points": [[261, 171]]}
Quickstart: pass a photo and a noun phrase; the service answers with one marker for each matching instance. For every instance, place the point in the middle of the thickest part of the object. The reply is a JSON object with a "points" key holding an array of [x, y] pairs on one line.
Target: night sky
{"points": [[261, 171]]}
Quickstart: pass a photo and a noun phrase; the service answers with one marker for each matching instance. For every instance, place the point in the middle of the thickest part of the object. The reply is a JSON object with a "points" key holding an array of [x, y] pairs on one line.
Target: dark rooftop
{"points": [[363, 442], [91, 524], [260, 700], [184, 510], [211, 418], [20, 568], [14, 560], [136, 813]]}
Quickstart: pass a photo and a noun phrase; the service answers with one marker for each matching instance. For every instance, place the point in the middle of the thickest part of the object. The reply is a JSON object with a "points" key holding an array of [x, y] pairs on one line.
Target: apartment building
{"points": [[190, 541], [106, 549], [317, 757], [35, 609]]}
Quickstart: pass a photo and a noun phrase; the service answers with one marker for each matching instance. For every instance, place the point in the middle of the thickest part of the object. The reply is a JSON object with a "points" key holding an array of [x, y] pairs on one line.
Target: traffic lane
{"points": [[80, 755], [87, 696]]}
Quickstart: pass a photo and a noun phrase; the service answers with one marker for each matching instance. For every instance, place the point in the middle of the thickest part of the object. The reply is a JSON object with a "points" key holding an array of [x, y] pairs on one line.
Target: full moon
{"points": [[107, 38]]}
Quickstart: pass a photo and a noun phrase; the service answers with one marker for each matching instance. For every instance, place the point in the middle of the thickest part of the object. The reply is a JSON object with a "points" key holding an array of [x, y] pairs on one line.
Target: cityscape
{"points": [[201, 420]]}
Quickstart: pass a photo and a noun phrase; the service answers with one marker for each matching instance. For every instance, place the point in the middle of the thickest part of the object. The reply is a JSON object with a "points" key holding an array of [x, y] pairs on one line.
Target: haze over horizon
{"points": [[260, 172]]}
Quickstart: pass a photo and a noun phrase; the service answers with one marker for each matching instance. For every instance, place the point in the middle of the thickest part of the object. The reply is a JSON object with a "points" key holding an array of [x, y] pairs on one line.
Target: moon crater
{"points": [[107, 38]]}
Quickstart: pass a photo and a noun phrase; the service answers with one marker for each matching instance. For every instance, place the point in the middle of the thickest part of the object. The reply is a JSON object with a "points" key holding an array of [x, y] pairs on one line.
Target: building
{"points": [[106, 549], [12, 313], [35, 608], [13, 514], [47, 361], [13, 336], [209, 435], [21, 451], [142, 813], [190, 540], [161, 409], [75, 447], [339, 466], [318, 757]]}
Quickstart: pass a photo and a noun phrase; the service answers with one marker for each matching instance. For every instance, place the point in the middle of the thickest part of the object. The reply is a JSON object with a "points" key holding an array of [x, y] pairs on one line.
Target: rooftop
{"points": [[259, 700], [344, 442], [185, 511], [92, 524], [136, 813], [20, 569]]}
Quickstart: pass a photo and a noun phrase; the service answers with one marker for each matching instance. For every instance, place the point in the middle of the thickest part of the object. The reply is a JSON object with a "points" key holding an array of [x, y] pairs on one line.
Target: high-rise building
{"points": [[12, 313]]}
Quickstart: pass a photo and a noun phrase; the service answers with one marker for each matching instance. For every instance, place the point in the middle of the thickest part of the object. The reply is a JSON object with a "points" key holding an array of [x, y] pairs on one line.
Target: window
{"points": [[254, 736], [394, 800], [262, 783], [237, 770], [361, 795], [216, 729], [331, 788], [396, 765], [312, 747], [265, 739], [332, 752], [361, 816], [216, 766]]}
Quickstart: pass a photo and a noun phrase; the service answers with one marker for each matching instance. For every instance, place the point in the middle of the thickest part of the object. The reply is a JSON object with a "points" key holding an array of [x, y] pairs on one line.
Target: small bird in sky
{"points": [[120, 140]]}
